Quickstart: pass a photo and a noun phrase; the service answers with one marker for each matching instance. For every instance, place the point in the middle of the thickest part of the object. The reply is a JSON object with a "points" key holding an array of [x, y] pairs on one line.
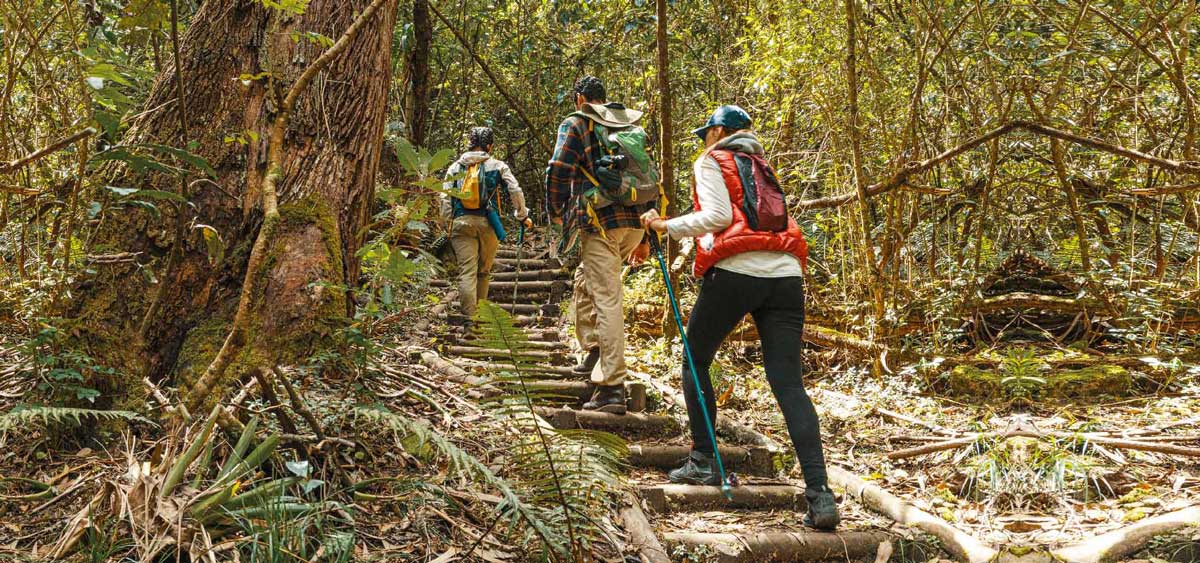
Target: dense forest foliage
{"points": [[217, 272]]}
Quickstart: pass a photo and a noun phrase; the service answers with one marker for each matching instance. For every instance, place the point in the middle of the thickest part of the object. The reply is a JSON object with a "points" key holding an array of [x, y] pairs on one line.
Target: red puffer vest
{"points": [[738, 237]]}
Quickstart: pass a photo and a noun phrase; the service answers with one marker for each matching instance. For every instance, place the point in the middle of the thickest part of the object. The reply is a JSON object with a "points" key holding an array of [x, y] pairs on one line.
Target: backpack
{"points": [[762, 197], [625, 175], [472, 188]]}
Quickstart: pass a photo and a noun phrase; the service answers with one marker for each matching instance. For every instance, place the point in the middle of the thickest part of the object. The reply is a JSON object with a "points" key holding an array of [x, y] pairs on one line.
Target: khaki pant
{"points": [[599, 317], [474, 244]]}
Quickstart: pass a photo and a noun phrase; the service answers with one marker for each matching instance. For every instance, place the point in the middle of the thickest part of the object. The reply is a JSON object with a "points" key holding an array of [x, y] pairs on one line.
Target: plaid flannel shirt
{"points": [[577, 148]]}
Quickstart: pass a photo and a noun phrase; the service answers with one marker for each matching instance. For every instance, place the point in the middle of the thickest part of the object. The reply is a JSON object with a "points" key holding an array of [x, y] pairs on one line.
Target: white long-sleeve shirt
{"points": [[715, 215], [508, 180]]}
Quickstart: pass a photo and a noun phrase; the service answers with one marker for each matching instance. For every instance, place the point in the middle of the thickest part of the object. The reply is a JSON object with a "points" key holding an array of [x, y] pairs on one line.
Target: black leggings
{"points": [[777, 305]]}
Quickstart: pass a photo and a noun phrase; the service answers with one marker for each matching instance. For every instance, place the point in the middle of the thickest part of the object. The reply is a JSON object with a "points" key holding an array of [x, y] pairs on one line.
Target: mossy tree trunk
{"points": [[238, 59]]}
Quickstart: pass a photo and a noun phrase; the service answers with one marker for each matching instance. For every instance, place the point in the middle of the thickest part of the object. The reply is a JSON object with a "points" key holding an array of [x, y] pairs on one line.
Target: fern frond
{"points": [[24, 415], [463, 462]]}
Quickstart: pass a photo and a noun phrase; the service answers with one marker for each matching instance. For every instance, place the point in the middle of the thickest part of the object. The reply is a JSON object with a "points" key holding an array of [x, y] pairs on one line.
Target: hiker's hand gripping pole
{"points": [[687, 350]]}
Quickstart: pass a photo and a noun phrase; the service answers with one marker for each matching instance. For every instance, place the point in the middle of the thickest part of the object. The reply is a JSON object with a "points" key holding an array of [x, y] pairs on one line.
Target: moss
{"points": [[1101, 380], [199, 348]]}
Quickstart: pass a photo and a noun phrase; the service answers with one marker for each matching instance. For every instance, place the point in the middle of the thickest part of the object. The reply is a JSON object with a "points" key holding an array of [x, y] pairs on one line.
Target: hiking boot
{"points": [[585, 367], [700, 469], [607, 398], [822, 509]]}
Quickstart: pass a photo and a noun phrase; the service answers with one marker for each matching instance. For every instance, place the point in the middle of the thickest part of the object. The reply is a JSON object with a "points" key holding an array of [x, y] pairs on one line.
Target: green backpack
{"points": [[625, 175]]}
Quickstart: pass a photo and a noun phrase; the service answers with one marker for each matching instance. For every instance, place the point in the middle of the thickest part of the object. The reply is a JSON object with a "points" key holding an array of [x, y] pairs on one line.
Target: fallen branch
{"points": [[1117, 544], [960, 544], [641, 532], [14, 165], [1094, 438]]}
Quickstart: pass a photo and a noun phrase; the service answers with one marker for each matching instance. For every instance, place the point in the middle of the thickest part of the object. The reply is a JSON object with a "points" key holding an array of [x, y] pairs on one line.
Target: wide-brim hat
{"points": [[612, 117]]}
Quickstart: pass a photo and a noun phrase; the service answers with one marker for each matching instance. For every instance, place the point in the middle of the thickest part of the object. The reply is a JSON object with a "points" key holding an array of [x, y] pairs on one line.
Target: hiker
{"points": [[598, 183], [750, 255], [475, 180]]}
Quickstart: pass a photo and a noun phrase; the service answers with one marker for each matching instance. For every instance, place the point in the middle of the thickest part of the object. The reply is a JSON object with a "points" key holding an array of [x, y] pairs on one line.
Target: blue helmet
{"points": [[729, 117]]}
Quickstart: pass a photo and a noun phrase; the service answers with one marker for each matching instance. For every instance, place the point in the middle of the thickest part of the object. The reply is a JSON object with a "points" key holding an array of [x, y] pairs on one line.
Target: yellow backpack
{"points": [[472, 187]]}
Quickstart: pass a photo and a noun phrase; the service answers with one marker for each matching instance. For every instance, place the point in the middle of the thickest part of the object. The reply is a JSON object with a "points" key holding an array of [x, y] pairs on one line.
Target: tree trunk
{"points": [[666, 153], [418, 72], [330, 155]]}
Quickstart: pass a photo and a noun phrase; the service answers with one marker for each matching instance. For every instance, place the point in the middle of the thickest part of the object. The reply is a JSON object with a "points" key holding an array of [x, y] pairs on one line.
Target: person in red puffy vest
{"points": [[751, 256]]}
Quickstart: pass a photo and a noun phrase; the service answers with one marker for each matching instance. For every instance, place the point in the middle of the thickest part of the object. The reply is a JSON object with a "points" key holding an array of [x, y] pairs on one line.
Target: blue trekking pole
{"points": [[687, 350], [520, 252]]}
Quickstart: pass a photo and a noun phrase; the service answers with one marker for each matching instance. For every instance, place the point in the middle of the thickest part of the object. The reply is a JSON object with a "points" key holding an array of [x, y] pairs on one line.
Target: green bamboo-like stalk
{"points": [[175, 476]]}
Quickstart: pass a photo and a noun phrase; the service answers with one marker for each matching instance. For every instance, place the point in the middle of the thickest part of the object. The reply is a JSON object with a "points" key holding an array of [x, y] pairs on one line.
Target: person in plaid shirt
{"points": [[615, 236]]}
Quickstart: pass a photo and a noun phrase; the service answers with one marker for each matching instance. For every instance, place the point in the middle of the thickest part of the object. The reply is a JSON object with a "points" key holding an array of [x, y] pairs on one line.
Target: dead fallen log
{"points": [[433, 361], [1117, 544], [1024, 301], [641, 533], [633, 423], [782, 546], [958, 543], [755, 460], [687, 498], [1119, 443], [525, 369]]}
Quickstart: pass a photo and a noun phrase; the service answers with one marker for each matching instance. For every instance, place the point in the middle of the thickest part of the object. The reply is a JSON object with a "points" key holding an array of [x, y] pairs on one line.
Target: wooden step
{"points": [[632, 423], [528, 263], [578, 391], [529, 275], [527, 354], [535, 322], [691, 498], [531, 344], [781, 545], [754, 460], [540, 286], [480, 366], [544, 310]]}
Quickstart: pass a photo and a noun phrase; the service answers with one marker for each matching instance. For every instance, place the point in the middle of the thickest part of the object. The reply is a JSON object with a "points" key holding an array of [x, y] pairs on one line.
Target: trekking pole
{"points": [[520, 251], [687, 350]]}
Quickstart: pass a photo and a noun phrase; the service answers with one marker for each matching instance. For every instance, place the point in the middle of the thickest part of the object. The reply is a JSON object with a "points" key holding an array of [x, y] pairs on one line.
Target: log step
{"points": [[781, 546], [546, 310], [691, 498], [551, 343], [528, 354], [528, 263], [580, 391], [480, 366], [754, 460], [551, 286], [530, 275], [519, 320], [632, 423]]}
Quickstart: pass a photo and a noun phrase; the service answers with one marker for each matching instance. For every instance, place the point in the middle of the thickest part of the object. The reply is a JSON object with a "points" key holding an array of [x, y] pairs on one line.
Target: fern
{"points": [[512, 508], [573, 469], [25, 415]]}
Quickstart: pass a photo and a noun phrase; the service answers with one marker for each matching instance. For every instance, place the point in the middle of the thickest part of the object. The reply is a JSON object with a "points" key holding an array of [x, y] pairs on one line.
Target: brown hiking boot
{"points": [[607, 398], [585, 367]]}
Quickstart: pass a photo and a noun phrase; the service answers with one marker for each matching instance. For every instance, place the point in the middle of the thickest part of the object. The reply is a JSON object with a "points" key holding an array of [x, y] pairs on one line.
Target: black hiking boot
{"points": [[700, 469], [822, 509], [607, 398], [584, 368]]}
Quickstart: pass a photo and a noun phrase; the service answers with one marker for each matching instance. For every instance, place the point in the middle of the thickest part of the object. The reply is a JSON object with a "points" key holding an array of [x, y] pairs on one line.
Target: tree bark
{"points": [[666, 153], [325, 182], [418, 72]]}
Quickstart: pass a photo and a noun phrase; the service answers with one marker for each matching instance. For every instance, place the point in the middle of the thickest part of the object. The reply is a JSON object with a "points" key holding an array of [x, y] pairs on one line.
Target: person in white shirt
{"points": [[751, 257]]}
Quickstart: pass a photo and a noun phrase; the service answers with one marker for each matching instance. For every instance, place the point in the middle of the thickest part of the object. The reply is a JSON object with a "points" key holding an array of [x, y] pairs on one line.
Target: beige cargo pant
{"points": [[599, 316], [474, 243]]}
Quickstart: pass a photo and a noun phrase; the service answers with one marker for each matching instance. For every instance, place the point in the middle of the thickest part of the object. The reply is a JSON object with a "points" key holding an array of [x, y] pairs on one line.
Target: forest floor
{"points": [[1007, 491]]}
